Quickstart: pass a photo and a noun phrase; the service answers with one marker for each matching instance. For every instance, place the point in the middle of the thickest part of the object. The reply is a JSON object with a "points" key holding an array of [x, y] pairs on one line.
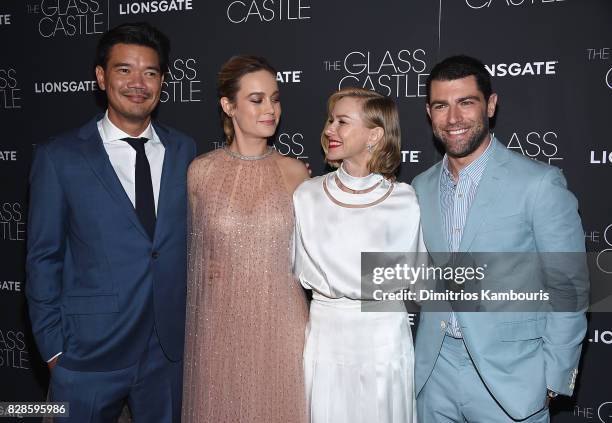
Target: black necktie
{"points": [[145, 203]]}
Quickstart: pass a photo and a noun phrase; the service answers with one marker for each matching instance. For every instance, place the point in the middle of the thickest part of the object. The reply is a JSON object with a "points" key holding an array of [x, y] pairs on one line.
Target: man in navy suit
{"points": [[106, 260]]}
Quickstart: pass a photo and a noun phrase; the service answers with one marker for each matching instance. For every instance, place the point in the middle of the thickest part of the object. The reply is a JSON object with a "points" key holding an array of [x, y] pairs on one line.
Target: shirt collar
{"points": [[112, 133], [475, 169]]}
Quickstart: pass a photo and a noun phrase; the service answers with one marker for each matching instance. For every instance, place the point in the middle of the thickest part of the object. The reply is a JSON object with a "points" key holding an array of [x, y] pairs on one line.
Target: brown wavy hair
{"points": [[377, 111], [228, 84]]}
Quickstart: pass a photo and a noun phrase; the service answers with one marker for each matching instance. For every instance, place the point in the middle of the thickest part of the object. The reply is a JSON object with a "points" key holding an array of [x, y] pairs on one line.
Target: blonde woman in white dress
{"points": [[358, 365]]}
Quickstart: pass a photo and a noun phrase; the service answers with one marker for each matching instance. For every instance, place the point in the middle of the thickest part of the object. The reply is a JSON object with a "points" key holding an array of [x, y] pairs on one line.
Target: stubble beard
{"points": [[470, 145]]}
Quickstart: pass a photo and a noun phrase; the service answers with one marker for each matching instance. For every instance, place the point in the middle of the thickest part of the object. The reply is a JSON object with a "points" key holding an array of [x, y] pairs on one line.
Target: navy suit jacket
{"points": [[96, 283]]}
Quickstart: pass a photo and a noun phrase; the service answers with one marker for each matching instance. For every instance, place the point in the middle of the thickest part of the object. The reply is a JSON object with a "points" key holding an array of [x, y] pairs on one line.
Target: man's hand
{"points": [[549, 396], [51, 364]]}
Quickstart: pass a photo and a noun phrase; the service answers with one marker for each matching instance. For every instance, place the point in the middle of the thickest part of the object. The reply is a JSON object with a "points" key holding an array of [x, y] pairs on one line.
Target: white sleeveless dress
{"points": [[359, 366]]}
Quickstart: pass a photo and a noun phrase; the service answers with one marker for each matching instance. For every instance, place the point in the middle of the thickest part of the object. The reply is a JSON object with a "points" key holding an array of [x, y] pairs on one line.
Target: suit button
{"points": [[443, 325], [155, 255]]}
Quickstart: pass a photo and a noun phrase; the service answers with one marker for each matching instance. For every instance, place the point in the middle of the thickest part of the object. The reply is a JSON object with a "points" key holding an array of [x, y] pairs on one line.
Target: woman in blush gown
{"points": [[246, 313], [358, 365]]}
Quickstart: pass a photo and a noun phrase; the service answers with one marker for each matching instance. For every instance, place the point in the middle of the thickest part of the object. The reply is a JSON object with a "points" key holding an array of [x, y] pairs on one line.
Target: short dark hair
{"points": [[139, 33], [457, 67]]}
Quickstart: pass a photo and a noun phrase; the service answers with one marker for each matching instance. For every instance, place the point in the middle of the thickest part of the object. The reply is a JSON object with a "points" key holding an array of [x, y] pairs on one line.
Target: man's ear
{"points": [[100, 77], [491, 105], [428, 109]]}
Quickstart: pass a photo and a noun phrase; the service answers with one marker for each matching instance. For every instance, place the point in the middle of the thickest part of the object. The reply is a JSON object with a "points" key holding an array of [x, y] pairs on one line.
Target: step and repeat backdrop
{"points": [[550, 61]]}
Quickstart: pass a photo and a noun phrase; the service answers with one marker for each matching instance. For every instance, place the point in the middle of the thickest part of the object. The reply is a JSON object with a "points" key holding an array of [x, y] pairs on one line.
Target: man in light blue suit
{"points": [[494, 367], [106, 262]]}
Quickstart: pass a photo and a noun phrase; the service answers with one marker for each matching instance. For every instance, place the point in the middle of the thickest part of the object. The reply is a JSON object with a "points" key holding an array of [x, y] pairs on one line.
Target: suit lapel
{"points": [[489, 189], [93, 150], [432, 217], [170, 155]]}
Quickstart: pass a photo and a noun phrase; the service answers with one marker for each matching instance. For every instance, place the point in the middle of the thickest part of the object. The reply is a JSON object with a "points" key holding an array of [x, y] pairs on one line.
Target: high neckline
{"points": [[366, 191], [239, 156], [358, 183]]}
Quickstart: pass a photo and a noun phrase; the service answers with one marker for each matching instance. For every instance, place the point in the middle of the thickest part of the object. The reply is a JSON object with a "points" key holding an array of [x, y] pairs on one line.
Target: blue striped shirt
{"points": [[456, 197]]}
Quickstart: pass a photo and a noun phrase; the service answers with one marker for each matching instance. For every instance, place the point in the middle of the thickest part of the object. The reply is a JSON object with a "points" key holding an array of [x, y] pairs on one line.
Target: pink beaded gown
{"points": [[246, 313]]}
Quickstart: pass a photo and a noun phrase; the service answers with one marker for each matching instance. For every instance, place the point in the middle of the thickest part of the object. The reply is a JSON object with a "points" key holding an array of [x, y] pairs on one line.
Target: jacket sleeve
{"points": [[47, 228], [560, 243]]}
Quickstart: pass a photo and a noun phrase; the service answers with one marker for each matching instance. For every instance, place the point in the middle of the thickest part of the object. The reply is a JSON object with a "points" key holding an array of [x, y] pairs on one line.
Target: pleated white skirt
{"points": [[359, 366]]}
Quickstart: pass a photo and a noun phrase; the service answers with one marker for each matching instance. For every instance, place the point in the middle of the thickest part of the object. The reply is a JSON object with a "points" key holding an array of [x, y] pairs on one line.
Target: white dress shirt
{"points": [[123, 159]]}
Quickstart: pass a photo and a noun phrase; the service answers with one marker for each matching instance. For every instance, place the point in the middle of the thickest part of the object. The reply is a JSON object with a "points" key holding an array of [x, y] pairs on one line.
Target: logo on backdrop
{"points": [[181, 83], [9, 89], [601, 413], [599, 55], [601, 336], [214, 145], [13, 352], [537, 68], [538, 145], [60, 87], [290, 144], [8, 155], [600, 157], [70, 18], [394, 73], [154, 6], [479, 4], [5, 19], [603, 238], [604, 412], [286, 144], [411, 156], [12, 222], [242, 11], [11, 286], [289, 77]]}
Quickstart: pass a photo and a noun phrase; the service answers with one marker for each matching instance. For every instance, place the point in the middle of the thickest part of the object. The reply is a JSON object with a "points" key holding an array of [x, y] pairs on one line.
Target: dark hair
{"points": [[457, 67], [228, 83], [140, 33]]}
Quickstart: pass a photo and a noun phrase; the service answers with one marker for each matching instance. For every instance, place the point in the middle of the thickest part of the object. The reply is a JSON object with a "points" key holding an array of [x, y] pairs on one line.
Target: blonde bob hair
{"points": [[376, 111]]}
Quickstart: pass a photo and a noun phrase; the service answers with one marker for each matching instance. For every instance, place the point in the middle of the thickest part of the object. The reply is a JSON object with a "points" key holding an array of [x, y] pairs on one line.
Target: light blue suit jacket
{"points": [[522, 206]]}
